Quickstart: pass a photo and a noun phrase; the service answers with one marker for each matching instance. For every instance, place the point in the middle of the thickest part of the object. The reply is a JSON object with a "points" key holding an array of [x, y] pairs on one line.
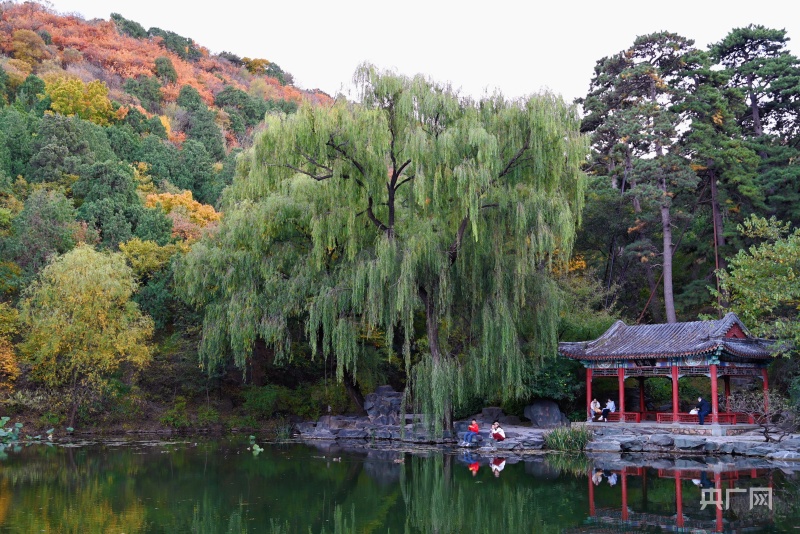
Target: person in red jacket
{"points": [[474, 466], [472, 431]]}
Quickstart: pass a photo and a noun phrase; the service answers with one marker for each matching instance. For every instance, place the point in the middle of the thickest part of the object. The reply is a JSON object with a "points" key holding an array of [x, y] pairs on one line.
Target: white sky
{"points": [[518, 47]]}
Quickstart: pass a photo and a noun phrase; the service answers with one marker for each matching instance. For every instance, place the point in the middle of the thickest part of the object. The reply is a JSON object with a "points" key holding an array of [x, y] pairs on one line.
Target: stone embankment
{"points": [[383, 423], [382, 427], [627, 440]]}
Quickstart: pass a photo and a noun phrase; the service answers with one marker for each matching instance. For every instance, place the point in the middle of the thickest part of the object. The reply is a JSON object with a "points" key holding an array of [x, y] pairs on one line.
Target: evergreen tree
{"points": [[45, 227], [758, 64], [634, 111], [204, 129], [165, 70]]}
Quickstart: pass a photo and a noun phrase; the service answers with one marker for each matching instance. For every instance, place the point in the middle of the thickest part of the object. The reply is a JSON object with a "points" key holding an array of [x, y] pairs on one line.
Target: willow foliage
{"points": [[358, 218]]}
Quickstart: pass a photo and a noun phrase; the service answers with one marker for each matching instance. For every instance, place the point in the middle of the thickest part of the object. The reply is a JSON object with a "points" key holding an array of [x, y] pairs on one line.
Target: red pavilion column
{"points": [[641, 396], [766, 389], [727, 380], [675, 394], [714, 395], [718, 486], [679, 498], [589, 394], [624, 495], [591, 497], [621, 380]]}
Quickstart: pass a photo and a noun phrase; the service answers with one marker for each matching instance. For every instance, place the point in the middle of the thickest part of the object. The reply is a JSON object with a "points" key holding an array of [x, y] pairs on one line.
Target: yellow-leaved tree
{"points": [[9, 370], [70, 96], [80, 324]]}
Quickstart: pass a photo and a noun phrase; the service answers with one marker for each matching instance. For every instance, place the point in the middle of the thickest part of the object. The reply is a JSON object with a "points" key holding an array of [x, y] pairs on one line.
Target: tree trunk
{"points": [[757, 128], [432, 330], [74, 410], [354, 392], [431, 324], [666, 228], [655, 308], [719, 235]]}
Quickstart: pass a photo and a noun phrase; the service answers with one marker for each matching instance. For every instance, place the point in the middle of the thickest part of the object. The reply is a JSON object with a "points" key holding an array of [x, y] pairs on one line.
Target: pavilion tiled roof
{"points": [[623, 342]]}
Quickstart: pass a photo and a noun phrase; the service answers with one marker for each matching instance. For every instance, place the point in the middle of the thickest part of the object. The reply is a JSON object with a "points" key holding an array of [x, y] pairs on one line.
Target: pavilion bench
{"points": [[722, 418], [625, 417]]}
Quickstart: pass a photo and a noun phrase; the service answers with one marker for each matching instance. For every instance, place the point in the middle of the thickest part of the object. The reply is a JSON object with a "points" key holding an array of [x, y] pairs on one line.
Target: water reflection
{"points": [[220, 486]]}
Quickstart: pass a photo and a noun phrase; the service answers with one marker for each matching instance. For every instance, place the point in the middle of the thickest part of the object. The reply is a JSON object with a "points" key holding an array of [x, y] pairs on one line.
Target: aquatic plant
{"points": [[11, 433]]}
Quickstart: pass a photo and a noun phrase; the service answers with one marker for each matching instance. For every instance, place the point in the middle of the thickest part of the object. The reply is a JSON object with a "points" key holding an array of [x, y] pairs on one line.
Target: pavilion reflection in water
{"points": [[693, 488]]}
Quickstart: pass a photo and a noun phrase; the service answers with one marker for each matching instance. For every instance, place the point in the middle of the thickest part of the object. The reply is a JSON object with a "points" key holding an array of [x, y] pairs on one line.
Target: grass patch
{"points": [[568, 438]]}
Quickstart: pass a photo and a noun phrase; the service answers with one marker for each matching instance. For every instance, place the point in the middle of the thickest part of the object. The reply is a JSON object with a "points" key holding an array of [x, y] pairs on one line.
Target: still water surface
{"points": [[221, 486]]}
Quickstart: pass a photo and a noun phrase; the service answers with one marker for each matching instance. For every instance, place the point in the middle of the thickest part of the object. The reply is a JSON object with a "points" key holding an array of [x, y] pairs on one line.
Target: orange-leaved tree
{"points": [[189, 217]]}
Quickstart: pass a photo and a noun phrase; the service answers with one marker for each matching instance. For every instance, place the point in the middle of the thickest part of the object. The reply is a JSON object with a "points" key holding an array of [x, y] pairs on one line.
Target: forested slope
{"points": [[118, 140]]}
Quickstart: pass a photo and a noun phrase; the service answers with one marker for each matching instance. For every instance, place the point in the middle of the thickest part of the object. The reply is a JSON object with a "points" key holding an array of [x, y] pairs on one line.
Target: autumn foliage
{"points": [[99, 44], [189, 217]]}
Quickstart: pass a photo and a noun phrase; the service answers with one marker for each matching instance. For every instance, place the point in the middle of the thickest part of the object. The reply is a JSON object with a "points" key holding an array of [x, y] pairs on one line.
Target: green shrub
{"points": [[242, 421], [177, 416], [51, 419], [308, 401], [568, 438], [206, 415], [261, 402]]}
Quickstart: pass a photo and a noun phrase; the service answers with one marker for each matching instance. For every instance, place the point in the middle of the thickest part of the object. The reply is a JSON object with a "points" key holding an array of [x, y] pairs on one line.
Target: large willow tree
{"points": [[412, 207]]}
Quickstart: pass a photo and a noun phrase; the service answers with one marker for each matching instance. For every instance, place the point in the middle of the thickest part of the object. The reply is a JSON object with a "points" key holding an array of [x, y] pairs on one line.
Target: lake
{"points": [[211, 486]]}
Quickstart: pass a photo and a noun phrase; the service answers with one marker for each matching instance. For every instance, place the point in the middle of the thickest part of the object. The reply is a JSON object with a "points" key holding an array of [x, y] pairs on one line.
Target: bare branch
{"points": [[338, 148], [402, 182], [301, 171], [382, 227], [315, 162], [452, 252], [513, 161]]}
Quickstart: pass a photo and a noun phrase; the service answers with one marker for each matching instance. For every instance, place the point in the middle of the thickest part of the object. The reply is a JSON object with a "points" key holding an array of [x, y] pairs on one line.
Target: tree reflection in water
{"points": [[220, 486]]}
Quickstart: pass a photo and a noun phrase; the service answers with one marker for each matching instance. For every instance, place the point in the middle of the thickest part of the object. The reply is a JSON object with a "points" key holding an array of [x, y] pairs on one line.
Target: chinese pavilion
{"points": [[717, 349]]}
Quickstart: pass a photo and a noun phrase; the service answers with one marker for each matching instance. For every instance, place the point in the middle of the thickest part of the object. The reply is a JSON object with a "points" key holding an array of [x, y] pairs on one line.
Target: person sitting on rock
{"points": [[703, 409], [498, 434], [472, 431]]}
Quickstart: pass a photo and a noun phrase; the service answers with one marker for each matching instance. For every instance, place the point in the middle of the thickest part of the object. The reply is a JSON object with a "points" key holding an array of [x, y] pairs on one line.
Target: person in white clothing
{"points": [[610, 408], [497, 432], [594, 407]]}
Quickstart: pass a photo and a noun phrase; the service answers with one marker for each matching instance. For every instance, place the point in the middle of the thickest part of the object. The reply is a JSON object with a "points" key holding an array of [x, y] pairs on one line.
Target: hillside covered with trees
{"points": [[188, 240]]}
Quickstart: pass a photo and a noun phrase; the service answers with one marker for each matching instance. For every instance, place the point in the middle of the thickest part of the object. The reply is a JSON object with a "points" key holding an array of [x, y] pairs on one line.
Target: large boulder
{"points": [[490, 414], [662, 440], [545, 413], [686, 443], [383, 406]]}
